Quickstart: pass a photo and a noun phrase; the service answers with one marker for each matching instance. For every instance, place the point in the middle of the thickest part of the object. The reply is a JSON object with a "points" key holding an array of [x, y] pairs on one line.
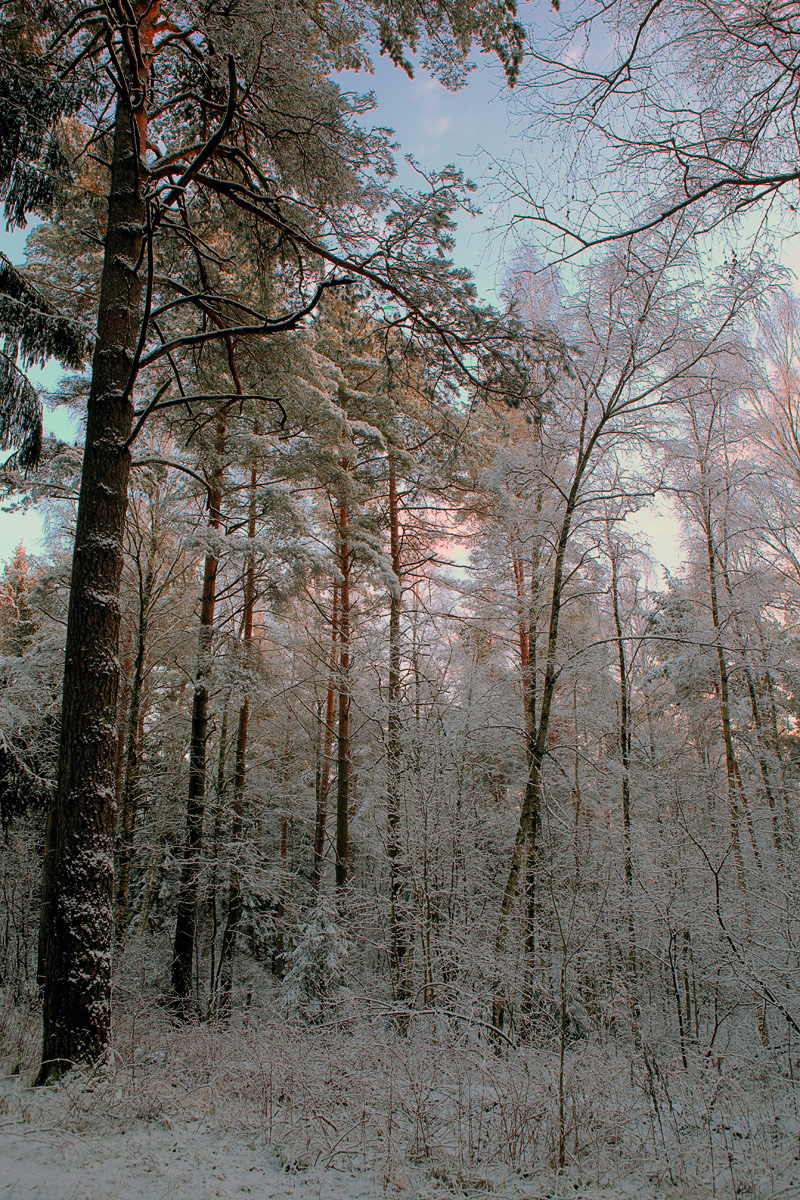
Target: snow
{"points": [[345, 1109], [45, 1157], [150, 1160]]}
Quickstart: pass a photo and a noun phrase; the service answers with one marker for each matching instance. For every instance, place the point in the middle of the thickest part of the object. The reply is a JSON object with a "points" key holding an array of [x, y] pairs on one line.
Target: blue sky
{"points": [[438, 128]]}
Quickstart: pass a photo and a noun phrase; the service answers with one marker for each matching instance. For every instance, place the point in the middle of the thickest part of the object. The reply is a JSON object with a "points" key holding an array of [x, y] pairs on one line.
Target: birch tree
{"points": [[635, 344]]}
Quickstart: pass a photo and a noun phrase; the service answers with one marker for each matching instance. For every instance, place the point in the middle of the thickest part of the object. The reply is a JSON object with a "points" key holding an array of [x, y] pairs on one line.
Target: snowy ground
{"points": [[279, 1112], [50, 1150], [70, 1143], [144, 1160], [148, 1160]]}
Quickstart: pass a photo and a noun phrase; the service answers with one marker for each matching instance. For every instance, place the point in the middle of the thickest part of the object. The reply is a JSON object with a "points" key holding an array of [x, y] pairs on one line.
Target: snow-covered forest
{"points": [[379, 818]]}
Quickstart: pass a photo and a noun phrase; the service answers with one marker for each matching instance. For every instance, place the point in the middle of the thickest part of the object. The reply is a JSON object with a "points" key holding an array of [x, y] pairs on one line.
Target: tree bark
{"points": [[755, 708], [731, 765], [133, 737], [124, 696], [78, 876], [212, 906], [185, 927], [280, 956], [527, 835], [397, 883], [324, 774], [235, 902], [625, 795], [777, 749], [343, 725], [527, 634]]}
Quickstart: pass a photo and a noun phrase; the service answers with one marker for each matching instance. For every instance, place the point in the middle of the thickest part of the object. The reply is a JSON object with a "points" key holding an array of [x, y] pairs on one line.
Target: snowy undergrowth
{"points": [[354, 1108]]}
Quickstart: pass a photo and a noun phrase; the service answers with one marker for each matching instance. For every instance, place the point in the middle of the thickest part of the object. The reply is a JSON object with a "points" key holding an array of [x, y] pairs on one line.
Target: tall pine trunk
{"points": [[235, 900], [133, 737], [324, 772], [343, 724], [185, 927], [397, 884], [78, 877]]}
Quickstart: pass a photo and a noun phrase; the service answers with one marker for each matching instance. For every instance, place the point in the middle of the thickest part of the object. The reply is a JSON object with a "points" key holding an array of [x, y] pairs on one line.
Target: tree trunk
{"points": [[234, 915], [527, 835], [280, 957], [235, 903], [731, 765], [397, 884], [133, 739], [625, 796], [212, 907], [124, 696], [324, 773], [78, 877], [755, 707], [343, 726], [183, 947], [527, 635], [777, 749]]}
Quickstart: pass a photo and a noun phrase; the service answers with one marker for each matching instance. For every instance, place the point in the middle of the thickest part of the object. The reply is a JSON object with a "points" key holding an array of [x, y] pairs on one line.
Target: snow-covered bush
{"points": [[316, 971]]}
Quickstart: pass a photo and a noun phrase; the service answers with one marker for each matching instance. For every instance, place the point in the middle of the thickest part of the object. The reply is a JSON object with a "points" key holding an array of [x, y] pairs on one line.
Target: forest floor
{"points": [[55, 1148], [61, 1145], [354, 1111]]}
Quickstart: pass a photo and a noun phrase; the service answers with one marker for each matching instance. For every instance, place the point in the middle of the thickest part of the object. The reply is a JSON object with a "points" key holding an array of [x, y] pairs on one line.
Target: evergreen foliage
{"points": [[31, 332], [317, 970], [34, 175]]}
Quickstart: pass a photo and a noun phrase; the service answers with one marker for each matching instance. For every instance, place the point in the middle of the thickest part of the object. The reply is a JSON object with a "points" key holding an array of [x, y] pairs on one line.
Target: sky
{"points": [[467, 129], [439, 128]]}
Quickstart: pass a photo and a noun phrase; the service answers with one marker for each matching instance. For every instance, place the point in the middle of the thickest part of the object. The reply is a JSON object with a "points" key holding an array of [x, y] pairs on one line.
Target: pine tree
{"points": [[216, 91]]}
